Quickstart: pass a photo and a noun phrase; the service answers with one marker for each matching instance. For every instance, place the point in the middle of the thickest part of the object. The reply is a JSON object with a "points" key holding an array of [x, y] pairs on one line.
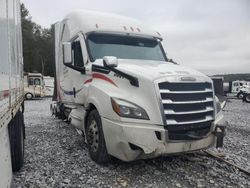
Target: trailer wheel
{"points": [[95, 138], [16, 136], [240, 95], [246, 98], [29, 96]]}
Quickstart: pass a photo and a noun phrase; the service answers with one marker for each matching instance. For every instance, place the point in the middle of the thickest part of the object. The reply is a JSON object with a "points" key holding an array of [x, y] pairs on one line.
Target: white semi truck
{"points": [[115, 84], [34, 86], [237, 88], [11, 91]]}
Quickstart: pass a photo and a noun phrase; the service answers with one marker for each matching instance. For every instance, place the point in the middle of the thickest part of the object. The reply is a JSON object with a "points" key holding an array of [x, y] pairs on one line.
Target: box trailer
{"points": [[115, 84], [11, 91]]}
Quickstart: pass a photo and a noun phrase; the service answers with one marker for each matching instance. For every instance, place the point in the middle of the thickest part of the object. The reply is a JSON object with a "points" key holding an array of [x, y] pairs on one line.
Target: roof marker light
{"points": [[131, 28], [125, 28], [158, 33], [96, 25], [138, 30]]}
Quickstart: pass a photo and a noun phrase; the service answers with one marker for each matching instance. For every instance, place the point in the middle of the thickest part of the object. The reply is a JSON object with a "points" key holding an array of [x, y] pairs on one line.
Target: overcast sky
{"points": [[212, 36]]}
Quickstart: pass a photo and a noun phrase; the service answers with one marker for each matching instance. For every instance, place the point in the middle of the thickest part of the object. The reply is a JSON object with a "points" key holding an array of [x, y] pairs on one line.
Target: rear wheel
{"points": [[95, 138], [16, 136], [247, 98]]}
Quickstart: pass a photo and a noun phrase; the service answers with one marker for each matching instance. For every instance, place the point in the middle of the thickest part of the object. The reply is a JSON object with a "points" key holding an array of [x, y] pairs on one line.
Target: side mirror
{"points": [[67, 58], [67, 53], [110, 61]]}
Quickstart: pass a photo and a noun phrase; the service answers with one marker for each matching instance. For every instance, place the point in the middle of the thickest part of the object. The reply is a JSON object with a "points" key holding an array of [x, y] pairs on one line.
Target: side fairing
{"points": [[63, 81]]}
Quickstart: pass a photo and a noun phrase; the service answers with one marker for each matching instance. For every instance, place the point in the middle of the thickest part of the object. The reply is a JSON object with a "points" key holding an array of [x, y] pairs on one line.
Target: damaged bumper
{"points": [[131, 141]]}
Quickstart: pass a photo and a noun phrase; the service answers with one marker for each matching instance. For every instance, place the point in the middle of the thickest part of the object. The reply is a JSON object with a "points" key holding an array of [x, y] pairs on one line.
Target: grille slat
{"points": [[187, 107], [181, 86], [208, 109], [187, 104], [189, 120], [169, 101], [182, 92], [186, 96]]}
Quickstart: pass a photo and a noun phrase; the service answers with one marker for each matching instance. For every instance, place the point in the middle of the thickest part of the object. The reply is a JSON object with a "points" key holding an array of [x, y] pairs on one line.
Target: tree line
{"points": [[37, 45]]}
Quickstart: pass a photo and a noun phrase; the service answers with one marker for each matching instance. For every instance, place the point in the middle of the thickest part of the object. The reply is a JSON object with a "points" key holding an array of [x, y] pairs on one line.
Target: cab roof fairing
{"points": [[86, 22]]}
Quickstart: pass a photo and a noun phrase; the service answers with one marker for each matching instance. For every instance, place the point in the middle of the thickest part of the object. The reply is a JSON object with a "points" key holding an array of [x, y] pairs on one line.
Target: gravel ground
{"points": [[56, 156]]}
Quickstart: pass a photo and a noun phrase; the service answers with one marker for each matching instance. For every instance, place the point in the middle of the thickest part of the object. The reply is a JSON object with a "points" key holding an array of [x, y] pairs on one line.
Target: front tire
{"points": [[240, 95], [16, 136], [95, 138], [29, 96]]}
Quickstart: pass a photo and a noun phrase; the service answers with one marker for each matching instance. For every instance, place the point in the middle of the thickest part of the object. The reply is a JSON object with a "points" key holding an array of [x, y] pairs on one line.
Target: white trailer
{"points": [[115, 84], [11, 91]]}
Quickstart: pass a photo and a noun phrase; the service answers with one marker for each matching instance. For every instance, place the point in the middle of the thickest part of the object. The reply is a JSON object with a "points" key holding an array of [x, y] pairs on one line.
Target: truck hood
{"points": [[153, 70]]}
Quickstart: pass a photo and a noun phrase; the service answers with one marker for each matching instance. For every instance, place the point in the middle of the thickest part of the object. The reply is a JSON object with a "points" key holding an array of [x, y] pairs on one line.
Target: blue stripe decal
{"points": [[70, 92]]}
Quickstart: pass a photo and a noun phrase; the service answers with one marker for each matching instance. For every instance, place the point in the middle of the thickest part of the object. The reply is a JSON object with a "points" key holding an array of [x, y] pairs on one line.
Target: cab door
{"points": [[37, 87], [80, 59], [235, 87]]}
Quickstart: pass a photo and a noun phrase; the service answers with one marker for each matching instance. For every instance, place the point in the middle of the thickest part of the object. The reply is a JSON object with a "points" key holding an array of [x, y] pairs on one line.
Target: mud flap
{"points": [[220, 132]]}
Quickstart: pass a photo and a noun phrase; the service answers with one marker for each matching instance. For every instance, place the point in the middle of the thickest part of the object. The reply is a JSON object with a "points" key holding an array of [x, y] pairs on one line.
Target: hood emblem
{"points": [[188, 79]]}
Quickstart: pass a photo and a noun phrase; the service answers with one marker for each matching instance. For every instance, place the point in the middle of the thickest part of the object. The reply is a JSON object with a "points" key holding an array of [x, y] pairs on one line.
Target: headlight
{"points": [[127, 109]]}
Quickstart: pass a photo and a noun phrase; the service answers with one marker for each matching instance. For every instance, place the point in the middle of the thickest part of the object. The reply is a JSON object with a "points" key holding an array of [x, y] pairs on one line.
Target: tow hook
{"points": [[220, 132]]}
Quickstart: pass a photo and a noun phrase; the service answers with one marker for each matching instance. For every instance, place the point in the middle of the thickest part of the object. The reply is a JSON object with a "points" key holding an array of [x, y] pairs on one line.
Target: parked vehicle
{"points": [[246, 97], [115, 84], [237, 88], [243, 89], [11, 91], [34, 86]]}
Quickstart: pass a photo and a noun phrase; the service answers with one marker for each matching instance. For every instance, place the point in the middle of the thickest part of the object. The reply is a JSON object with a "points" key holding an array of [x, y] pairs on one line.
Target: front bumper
{"points": [[131, 141]]}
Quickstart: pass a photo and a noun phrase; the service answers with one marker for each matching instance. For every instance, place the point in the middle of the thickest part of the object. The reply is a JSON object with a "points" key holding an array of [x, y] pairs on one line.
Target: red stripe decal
{"points": [[102, 77], [6, 93], [88, 81]]}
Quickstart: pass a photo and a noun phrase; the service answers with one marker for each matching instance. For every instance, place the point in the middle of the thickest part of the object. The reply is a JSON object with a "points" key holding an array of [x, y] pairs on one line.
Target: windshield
{"points": [[124, 47]]}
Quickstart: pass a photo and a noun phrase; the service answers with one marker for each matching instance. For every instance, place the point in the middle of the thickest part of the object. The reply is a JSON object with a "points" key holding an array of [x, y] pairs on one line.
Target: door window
{"points": [[31, 81], [77, 53], [236, 84], [37, 81]]}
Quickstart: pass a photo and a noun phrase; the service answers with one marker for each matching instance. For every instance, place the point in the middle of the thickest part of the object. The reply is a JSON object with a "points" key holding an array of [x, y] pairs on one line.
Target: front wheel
{"points": [[95, 138], [28, 96], [240, 95]]}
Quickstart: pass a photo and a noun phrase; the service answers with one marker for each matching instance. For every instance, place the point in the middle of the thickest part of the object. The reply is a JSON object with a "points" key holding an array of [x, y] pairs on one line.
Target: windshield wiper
{"points": [[172, 61], [133, 80]]}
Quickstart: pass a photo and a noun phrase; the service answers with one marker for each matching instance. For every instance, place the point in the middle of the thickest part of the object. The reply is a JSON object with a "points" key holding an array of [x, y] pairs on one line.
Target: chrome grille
{"points": [[188, 107]]}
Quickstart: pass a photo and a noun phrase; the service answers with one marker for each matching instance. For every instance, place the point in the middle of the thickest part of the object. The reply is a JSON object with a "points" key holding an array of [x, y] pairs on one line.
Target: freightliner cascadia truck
{"points": [[11, 91], [115, 84]]}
